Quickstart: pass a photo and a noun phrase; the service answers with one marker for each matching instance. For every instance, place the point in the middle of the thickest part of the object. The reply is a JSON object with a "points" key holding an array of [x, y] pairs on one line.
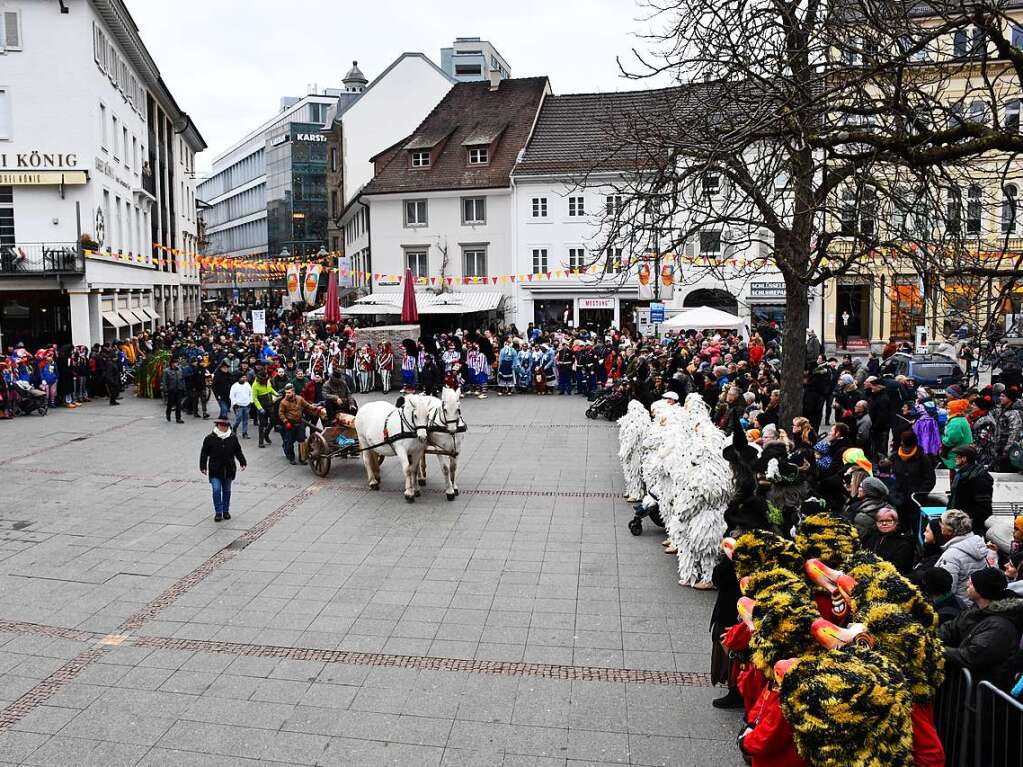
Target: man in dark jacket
{"points": [[880, 414], [937, 586], [172, 387], [914, 473], [112, 375], [217, 459], [972, 488], [983, 638], [222, 383]]}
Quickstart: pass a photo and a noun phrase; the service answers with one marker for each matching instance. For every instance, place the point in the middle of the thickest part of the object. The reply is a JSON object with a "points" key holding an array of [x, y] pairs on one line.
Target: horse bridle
{"points": [[439, 416]]}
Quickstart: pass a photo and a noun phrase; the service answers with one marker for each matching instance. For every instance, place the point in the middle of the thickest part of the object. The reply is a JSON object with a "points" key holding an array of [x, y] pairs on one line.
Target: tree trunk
{"points": [[793, 356]]}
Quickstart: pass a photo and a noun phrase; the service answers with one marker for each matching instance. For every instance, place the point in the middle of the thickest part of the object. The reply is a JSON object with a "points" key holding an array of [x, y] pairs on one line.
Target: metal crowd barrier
{"points": [[953, 715], [998, 731]]}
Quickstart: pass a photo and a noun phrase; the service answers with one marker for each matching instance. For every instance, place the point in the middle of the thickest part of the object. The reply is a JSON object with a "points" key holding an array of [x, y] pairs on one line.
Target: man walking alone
{"points": [[173, 388], [220, 450]]}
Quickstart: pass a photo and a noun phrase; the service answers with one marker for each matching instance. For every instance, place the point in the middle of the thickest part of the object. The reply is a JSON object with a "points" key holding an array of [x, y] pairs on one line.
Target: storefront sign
{"points": [[279, 140], [767, 290], [656, 313], [596, 303], [315, 138], [36, 160], [42, 178]]}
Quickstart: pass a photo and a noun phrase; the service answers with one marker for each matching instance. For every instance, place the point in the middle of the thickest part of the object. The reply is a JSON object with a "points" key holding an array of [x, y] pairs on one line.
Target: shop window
{"points": [[907, 308]]}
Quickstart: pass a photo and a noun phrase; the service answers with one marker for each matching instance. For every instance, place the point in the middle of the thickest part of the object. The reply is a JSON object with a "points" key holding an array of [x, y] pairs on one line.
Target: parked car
{"points": [[932, 370]]}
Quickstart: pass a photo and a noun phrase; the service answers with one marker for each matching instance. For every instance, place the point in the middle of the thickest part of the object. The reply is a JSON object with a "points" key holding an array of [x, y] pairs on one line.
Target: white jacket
{"points": [[241, 394]]}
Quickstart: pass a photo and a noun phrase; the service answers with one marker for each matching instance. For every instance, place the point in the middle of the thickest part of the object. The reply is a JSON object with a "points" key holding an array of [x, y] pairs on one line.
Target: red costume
{"points": [[927, 748], [769, 741]]}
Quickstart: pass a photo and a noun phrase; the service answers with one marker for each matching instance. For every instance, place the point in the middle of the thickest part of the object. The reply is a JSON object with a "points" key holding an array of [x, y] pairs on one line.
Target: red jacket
{"points": [[769, 741], [927, 748]]}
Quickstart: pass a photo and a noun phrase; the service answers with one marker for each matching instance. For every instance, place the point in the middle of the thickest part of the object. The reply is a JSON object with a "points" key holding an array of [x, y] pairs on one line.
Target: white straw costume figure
{"points": [[701, 489], [657, 457], [632, 427]]}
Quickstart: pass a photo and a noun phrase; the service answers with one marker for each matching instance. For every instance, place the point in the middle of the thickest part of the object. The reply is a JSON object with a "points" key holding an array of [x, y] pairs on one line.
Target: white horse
{"points": [[385, 429], [444, 435]]}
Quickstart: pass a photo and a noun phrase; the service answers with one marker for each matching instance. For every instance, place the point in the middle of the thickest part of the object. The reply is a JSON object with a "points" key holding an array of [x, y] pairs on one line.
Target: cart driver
{"points": [[336, 395]]}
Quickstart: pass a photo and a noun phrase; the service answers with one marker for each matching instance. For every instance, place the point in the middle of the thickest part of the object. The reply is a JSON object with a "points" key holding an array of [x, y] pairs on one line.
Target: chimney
{"points": [[495, 79]]}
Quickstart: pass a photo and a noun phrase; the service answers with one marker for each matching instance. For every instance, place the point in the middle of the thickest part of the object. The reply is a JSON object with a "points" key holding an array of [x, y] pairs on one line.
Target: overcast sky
{"points": [[228, 62]]}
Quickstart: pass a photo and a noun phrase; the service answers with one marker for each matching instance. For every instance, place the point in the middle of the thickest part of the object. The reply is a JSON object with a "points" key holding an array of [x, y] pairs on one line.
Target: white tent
{"points": [[705, 318]]}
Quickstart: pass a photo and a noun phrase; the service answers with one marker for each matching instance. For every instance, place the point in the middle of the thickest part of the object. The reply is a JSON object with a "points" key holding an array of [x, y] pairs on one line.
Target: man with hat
{"points": [[1010, 426], [336, 395], [983, 638], [670, 397], [217, 459], [222, 383], [172, 387], [972, 487]]}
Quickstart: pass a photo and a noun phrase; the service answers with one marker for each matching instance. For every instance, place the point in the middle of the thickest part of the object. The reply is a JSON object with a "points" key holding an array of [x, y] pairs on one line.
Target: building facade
{"points": [[570, 186], [470, 59], [97, 224], [440, 204], [257, 179]]}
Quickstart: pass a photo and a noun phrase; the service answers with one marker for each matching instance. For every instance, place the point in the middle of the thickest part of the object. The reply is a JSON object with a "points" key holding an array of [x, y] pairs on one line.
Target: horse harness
{"points": [[409, 430]]}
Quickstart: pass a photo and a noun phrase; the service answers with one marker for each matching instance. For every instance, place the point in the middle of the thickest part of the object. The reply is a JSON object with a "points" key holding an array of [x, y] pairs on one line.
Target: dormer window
{"points": [[479, 155], [420, 159]]}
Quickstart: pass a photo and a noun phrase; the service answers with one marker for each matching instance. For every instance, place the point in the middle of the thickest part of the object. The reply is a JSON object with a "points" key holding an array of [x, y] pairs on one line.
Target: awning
{"points": [[114, 319], [150, 313], [428, 303]]}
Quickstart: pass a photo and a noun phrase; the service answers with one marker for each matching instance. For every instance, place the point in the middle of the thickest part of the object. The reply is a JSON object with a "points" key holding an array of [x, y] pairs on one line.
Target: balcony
{"points": [[29, 259]]}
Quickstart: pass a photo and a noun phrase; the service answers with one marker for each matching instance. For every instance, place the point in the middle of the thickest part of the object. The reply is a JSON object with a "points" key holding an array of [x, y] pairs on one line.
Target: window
{"points": [[969, 43], [710, 242], [711, 183], [416, 261], [124, 146], [420, 159], [1017, 36], [115, 136], [1009, 201], [613, 263], [615, 204], [6, 126], [539, 260], [135, 151], [333, 159], [103, 130], [468, 70], [1012, 115], [973, 210], [7, 216], [576, 206], [479, 156], [540, 208], [474, 261], [415, 213], [953, 210], [868, 212], [334, 203], [474, 210], [576, 258], [847, 213], [11, 23], [978, 112]]}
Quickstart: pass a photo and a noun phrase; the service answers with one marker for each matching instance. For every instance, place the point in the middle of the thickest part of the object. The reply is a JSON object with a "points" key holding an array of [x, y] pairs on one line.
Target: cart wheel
{"points": [[591, 415], [319, 460], [43, 409], [655, 517], [635, 526]]}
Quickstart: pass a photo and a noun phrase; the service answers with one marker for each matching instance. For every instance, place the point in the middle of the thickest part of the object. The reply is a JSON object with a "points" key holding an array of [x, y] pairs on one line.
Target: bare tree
{"points": [[824, 140]]}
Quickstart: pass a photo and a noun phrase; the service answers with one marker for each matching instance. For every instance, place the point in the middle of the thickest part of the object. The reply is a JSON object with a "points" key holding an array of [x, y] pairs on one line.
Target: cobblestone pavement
{"points": [[520, 624]]}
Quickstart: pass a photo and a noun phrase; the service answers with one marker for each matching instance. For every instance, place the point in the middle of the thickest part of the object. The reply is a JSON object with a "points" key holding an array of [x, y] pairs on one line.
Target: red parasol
{"points": [[409, 310], [332, 308]]}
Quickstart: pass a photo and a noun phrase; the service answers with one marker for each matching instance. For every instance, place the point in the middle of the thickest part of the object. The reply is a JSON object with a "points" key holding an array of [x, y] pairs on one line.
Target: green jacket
{"points": [[260, 390], [957, 432]]}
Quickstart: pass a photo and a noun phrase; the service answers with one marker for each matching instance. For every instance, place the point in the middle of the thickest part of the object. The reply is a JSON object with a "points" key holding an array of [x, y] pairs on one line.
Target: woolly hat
{"points": [[761, 550], [874, 488], [855, 456], [827, 538], [957, 407], [1011, 393], [845, 379], [990, 583]]}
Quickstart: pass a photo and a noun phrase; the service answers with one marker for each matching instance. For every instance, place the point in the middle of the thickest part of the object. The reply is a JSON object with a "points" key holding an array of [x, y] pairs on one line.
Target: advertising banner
{"points": [[646, 282], [667, 283], [312, 283], [344, 272], [294, 284], [259, 321]]}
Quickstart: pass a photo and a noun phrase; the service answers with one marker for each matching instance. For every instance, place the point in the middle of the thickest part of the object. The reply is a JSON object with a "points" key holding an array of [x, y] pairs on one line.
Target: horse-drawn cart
{"points": [[322, 447]]}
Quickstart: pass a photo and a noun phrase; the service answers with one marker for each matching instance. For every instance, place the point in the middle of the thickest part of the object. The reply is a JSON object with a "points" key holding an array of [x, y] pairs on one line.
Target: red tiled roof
{"points": [[468, 111]]}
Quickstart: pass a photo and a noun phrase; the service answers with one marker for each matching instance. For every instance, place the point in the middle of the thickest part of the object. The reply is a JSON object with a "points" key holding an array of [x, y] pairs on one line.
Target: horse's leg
{"points": [[453, 467], [372, 469], [408, 469], [421, 469]]}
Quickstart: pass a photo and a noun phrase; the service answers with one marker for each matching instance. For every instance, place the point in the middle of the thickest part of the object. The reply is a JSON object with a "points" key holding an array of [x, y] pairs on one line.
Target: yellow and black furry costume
{"points": [[849, 708], [761, 550], [827, 538]]}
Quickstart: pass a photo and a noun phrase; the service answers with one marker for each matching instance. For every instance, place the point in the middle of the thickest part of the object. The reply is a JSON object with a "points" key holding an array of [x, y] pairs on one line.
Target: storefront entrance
{"points": [[35, 318], [553, 313], [852, 315], [596, 319]]}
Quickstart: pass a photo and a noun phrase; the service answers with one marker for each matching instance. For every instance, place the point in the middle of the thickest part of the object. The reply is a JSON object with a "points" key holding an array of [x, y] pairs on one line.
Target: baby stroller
{"points": [[611, 404], [648, 507], [27, 399]]}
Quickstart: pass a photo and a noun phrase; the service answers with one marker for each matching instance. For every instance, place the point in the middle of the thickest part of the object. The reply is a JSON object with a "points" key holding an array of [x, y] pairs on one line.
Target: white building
{"points": [[567, 189], [470, 59], [367, 119], [440, 203], [91, 143]]}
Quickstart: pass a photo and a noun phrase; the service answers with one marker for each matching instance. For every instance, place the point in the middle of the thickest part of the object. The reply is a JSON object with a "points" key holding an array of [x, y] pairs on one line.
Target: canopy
{"points": [[705, 318]]}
